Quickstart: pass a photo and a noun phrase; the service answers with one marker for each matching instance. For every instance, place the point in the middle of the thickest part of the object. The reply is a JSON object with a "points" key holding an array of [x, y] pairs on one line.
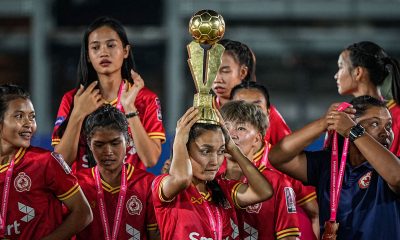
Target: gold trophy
{"points": [[207, 28]]}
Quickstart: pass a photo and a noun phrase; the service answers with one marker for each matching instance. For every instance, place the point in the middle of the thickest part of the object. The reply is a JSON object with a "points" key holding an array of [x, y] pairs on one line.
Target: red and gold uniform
{"points": [[40, 181], [138, 211], [186, 216], [394, 109], [275, 218], [149, 108]]}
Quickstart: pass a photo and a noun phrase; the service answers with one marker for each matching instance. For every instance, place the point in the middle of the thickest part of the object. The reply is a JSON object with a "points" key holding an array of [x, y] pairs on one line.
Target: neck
{"points": [[109, 86], [200, 185], [7, 152], [368, 89], [112, 177], [355, 156], [222, 101]]}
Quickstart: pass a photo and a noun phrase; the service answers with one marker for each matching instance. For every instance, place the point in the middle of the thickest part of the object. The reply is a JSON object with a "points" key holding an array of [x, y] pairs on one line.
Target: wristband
{"points": [[132, 114], [356, 132]]}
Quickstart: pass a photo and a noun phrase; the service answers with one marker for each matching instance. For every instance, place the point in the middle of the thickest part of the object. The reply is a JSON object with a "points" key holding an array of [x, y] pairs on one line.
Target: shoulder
{"points": [[70, 94], [38, 153], [142, 175], [146, 93]]}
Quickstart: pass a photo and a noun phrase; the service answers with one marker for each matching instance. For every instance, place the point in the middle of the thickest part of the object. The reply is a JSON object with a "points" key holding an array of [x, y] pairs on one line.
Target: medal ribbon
{"points": [[6, 193], [119, 105], [264, 160], [337, 177], [102, 205], [216, 224]]}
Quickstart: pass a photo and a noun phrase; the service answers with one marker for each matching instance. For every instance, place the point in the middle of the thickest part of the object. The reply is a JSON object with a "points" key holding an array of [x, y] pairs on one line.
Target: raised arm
{"points": [[85, 102], [288, 156], [148, 149], [180, 172]]}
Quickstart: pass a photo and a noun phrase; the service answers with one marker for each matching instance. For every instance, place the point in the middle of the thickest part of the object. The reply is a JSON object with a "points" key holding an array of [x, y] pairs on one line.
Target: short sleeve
{"points": [[317, 163], [286, 220], [62, 114], [303, 193], [151, 221], [156, 187], [152, 115], [59, 177]]}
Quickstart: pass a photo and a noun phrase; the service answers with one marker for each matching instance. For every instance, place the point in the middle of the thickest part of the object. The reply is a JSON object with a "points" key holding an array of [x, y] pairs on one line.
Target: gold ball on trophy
{"points": [[207, 26]]}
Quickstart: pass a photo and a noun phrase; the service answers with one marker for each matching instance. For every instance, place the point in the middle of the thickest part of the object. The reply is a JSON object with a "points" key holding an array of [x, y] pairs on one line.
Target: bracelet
{"points": [[132, 114], [356, 132]]}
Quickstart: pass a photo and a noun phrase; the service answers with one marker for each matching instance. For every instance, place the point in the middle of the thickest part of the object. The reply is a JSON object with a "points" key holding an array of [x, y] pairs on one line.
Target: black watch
{"points": [[356, 132]]}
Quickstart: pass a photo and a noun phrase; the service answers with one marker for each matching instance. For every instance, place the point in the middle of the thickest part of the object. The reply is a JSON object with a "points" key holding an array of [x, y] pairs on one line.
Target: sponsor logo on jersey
{"points": [[59, 158], [251, 231], [255, 208], [364, 181], [196, 236], [134, 205], [159, 114], [85, 161], [290, 200], [13, 228], [22, 182], [132, 232], [59, 121], [30, 212], [235, 229]]}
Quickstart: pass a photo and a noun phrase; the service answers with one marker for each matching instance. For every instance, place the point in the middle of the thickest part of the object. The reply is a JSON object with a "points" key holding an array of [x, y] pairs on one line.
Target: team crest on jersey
{"points": [[290, 200], [255, 208], [159, 114], [22, 182], [61, 161], [134, 205], [364, 181]]}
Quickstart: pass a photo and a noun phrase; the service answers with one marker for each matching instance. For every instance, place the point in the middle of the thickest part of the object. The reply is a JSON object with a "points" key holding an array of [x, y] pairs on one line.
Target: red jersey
{"points": [[272, 219], [186, 216], [149, 108], [40, 181], [278, 128], [303, 193], [138, 213], [394, 109]]}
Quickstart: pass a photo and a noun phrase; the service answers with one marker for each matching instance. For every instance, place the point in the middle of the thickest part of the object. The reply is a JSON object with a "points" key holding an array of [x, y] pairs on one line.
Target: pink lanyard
{"points": [[102, 205], [216, 224], [6, 193], [337, 177], [119, 106]]}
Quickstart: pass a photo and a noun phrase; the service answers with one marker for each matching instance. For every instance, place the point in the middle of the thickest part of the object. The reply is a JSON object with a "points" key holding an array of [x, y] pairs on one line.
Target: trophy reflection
{"points": [[207, 28]]}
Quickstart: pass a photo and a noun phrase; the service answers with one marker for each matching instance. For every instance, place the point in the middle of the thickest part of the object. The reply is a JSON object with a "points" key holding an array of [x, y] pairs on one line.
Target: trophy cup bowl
{"points": [[207, 27]]}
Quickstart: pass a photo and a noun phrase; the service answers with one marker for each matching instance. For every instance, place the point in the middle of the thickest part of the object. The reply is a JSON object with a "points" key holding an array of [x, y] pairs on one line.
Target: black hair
{"points": [[197, 130], [242, 54], [252, 85], [105, 117], [241, 111], [378, 64], [360, 104], [363, 103], [86, 74], [10, 92]]}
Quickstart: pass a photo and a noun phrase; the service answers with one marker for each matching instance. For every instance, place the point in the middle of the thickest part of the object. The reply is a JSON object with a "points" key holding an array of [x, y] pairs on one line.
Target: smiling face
{"points": [[106, 52], [345, 76], [108, 147], [19, 124], [230, 74], [207, 154], [377, 121]]}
